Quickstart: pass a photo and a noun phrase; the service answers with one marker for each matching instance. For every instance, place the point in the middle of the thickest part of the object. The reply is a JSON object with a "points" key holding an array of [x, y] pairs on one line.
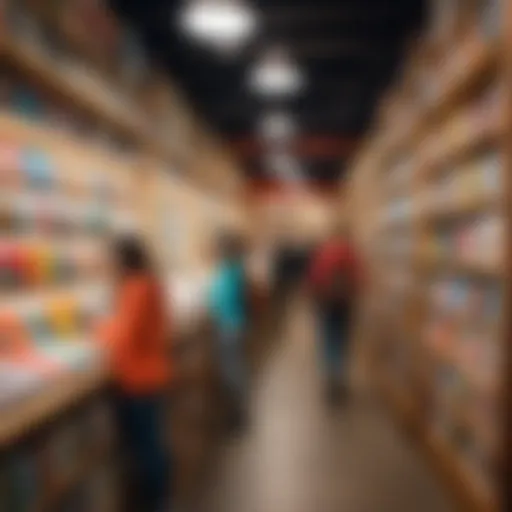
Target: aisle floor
{"points": [[298, 456]]}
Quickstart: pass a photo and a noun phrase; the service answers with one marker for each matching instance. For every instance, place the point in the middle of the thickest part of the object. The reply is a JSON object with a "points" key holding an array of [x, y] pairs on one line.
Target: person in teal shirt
{"points": [[228, 309], [227, 297]]}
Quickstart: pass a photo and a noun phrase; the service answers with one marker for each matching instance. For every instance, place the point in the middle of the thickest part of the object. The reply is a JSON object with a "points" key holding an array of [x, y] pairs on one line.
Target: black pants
{"points": [[141, 421], [334, 325]]}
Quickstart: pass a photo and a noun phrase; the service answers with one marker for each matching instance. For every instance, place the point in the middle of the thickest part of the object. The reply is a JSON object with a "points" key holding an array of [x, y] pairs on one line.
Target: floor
{"points": [[298, 456]]}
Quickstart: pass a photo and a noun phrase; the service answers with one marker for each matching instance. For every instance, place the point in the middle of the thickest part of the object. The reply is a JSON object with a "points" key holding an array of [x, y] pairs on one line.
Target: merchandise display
{"points": [[67, 40], [56, 218], [64, 193], [438, 248], [17, 383], [57, 215], [76, 151]]}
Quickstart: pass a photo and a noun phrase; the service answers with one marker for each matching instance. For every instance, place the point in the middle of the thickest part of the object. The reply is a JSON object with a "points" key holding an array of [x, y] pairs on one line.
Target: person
{"points": [[334, 282], [288, 272], [228, 307], [136, 338], [288, 267]]}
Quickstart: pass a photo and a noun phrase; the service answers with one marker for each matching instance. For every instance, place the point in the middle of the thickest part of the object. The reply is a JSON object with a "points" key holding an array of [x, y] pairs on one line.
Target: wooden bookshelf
{"points": [[472, 143], [471, 62], [479, 60], [465, 70], [506, 448], [191, 179], [61, 489], [101, 100], [29, 414], [46, 72], [469, 491]]}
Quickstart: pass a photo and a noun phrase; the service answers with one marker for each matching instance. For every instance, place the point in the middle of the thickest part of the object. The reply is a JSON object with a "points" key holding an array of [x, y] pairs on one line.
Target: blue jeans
{"points": [[141, 420], [334, 330]]}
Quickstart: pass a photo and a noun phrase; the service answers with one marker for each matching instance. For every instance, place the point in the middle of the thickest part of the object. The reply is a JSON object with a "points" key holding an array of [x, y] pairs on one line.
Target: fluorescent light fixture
{"points": [[277, 127], [225, 24], [276, 74]]}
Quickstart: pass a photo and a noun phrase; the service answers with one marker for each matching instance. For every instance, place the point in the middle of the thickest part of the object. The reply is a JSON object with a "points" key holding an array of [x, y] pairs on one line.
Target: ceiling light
{"points": [[276, 74], [226, 24], [277, 126]]}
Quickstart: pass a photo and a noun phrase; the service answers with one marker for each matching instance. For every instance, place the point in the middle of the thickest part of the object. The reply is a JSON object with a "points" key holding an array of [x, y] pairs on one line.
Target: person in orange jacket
{"points": [[136, 338]]}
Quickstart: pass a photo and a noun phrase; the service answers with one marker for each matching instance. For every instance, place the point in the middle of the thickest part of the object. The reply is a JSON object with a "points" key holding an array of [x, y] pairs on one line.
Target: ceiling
{"points": [[348, 50]]}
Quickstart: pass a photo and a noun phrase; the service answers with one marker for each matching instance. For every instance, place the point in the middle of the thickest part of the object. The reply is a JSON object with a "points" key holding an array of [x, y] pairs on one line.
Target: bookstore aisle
{"points": [[298, 457]]}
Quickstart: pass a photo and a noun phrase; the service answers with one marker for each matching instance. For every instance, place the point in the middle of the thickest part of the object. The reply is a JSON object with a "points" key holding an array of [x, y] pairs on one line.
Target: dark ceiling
{"points": [[348, 49]]}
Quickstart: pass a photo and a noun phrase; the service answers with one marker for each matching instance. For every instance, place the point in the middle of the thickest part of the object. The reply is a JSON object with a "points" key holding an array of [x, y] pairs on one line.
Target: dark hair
{"points": [[131, 255], [230, 245]]}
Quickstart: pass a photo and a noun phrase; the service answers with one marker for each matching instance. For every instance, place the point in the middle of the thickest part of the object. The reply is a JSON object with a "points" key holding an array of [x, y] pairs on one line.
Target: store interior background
{"points": [[275, 119]]}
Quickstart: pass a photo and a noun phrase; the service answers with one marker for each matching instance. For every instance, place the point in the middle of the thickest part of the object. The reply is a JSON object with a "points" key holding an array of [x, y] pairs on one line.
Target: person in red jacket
{"points": [[136, 340], [334, 279]]}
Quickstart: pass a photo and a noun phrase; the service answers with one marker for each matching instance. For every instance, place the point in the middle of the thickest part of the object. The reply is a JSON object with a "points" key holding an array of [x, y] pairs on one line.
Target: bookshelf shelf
{"points": [[453, 209]]}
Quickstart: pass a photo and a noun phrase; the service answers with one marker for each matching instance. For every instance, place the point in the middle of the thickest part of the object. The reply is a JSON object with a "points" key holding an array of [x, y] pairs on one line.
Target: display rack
{"points": [[62, 197], [107, 77], [77, 145], [436, 239]]}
